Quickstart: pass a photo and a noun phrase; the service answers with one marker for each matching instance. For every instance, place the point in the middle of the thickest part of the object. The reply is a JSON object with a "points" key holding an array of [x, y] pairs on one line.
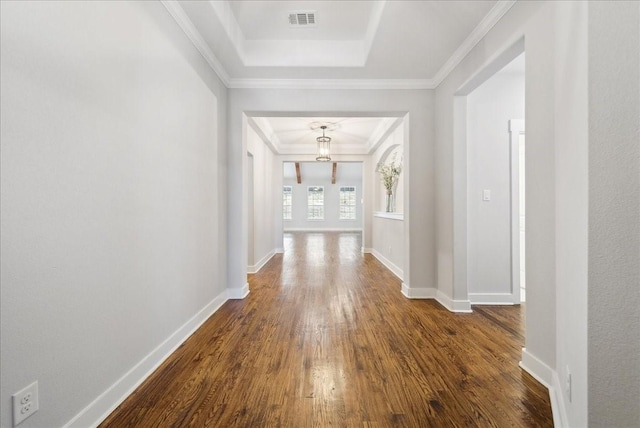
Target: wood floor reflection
{"points": [[325, 339]]}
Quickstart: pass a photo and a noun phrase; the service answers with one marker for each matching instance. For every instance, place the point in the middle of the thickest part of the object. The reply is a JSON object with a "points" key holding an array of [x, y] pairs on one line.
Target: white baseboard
{"points": [[548, 378], [323, 229], [434, 293], [558, 409], [418, 293], [279, 250], [491, 298], [453, 305], [388, 263], [255, 268], [107, 402], [238, 293], [536, 368], [366, 250]]}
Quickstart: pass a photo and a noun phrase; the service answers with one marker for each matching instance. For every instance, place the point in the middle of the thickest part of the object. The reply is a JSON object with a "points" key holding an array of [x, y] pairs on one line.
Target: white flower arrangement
{"points": [[390, 173]]}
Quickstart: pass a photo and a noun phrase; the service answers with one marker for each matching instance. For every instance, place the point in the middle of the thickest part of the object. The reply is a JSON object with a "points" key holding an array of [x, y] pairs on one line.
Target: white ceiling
{"points": [[349, 135], [353, 44], [336, 20], [416, 42]]}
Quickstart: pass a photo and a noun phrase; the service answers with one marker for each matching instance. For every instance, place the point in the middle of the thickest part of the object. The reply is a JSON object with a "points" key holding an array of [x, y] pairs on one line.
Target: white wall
{"points": [[262, 219], [572, 181], [614, 214], [319, 174], [113, 214], [489, 108], [388, 242]]}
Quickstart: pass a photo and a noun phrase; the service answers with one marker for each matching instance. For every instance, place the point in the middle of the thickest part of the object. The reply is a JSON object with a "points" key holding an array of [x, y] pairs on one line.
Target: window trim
{"points": [[290, 205], [318, 205], [355, 204]]}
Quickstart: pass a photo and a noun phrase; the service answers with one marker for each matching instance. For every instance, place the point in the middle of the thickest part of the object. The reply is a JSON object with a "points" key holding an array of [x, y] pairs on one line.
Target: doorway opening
{"points": [[291, 191], [489, 184]]}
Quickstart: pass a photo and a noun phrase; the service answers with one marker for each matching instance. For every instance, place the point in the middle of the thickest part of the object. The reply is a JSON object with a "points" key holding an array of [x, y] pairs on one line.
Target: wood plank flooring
{"points": [[325, 339]]}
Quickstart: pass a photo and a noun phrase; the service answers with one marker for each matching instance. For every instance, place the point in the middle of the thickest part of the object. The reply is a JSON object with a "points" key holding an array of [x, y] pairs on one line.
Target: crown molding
{"points": [[478, 33], [488, 22], [183, 21], [331, 84]]}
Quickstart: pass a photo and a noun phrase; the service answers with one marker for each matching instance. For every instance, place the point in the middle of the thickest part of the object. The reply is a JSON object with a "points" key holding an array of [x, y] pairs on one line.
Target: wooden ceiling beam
{"points": [[298, 177], [333, 174]]}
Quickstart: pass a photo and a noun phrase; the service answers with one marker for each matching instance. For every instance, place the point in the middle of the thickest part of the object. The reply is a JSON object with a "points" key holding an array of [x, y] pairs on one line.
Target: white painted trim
{"points": [[366, 250], [390, 216], [279, 250], [453, 305], [558, 408], [510, 50], [536, 368], [107, 402], [320, 229], [238, 293], [433, 293], [494, 15], [183, 21], [332, 84], [460, 196], [418, 293], [388, 263], [550, 380], [515, 128], [501, 7], [491, 298], [255, 268]]}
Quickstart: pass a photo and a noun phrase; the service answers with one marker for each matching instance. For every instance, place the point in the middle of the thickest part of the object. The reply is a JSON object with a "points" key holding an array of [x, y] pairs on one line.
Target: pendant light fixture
{"points": [[324, 149]]}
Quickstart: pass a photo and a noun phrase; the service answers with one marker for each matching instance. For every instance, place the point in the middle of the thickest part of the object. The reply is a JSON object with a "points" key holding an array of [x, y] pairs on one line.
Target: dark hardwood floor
{"points": [[325, 339]]}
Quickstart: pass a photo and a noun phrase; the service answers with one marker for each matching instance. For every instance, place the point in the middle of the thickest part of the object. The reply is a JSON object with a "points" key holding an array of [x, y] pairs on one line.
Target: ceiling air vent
{"points": [[302, 19]]}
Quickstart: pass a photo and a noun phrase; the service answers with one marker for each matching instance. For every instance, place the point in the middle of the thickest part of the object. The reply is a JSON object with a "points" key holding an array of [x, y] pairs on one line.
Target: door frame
{"points": [[516, 128]]}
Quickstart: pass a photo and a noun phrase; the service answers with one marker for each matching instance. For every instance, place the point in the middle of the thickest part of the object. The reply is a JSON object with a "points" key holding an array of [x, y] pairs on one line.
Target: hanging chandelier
{"points": [[324, 149]]}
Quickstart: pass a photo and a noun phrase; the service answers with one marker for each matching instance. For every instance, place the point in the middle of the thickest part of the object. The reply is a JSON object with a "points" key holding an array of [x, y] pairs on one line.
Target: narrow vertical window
{"points": [[347, 203], [315, 203], [286, 202]]}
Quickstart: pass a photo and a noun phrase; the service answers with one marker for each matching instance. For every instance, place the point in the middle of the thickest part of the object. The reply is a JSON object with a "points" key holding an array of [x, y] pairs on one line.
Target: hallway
{"points": [[325, 338]]}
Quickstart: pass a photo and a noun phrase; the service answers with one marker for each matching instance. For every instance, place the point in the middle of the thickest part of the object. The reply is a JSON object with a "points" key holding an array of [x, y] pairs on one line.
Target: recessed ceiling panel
{"points": [[349, 135], [351, 40]]}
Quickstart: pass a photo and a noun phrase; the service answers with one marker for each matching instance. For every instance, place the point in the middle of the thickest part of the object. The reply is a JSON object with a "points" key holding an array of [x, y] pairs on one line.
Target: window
{"points": [[286, 203], [347, 203], [315, 203]]}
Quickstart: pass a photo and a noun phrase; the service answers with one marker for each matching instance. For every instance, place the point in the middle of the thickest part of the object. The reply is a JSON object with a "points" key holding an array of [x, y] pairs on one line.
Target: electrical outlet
{"points": [[25, 403], [567, 384]]}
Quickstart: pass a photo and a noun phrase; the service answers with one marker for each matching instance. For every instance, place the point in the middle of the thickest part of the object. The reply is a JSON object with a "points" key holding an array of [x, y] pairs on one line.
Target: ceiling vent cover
{"points": [[302, 19]]}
